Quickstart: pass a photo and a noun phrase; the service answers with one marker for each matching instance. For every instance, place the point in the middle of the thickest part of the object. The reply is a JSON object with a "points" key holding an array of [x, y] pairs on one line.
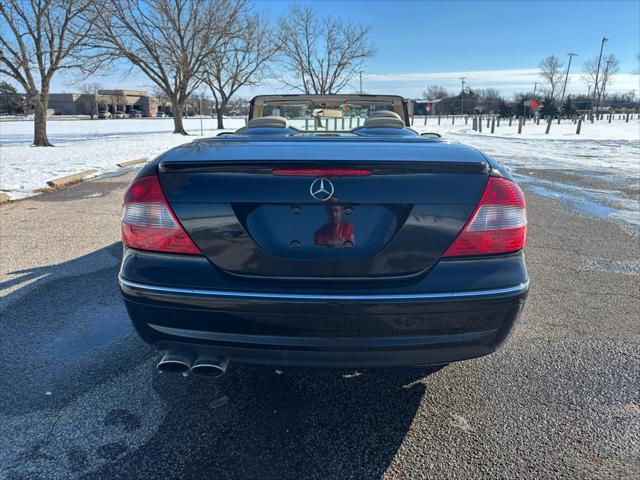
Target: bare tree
{"points": [[611, 67], [322, 55], [490, 99], [159, 95], [168, 40], [435, 92], [243, 60], [551, 71], [42, 37], [89, 98], [590, 73]]}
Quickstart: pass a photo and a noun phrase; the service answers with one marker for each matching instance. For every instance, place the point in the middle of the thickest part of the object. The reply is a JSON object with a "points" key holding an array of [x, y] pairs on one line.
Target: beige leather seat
{"points": [[383, 122], [268, 122], [386, 113]]}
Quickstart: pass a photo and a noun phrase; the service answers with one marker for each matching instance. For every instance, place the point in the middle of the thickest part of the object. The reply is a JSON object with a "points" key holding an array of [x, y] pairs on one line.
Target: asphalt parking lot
{"points": [[80, 396]]}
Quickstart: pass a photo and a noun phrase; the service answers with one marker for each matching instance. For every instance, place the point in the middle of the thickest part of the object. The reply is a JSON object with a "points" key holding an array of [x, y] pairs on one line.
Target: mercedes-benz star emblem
{"points": [[321, 189]]}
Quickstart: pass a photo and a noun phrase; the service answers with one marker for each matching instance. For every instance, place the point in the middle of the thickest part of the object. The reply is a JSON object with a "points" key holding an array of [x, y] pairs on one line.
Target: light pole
{"points": [[201, 97], [566, 77], [595, 88], [462, 79], [360, 82]]}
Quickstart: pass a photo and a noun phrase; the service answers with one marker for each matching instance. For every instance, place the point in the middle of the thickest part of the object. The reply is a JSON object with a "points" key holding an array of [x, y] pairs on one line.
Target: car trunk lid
{"points": [[250, 206]]}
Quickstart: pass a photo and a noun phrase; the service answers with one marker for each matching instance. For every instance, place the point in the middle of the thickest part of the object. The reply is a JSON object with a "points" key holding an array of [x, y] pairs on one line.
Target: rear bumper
{"points": [[325, 329]]}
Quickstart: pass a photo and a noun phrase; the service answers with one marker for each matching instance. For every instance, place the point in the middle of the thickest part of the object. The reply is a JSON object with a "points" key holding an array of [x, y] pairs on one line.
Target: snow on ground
{"points": [[602, 148], [83, 145], [607, 154], [609, 148]]}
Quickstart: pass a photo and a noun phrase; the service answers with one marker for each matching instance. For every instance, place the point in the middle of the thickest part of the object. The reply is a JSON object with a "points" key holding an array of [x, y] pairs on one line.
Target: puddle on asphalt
{"points": [[599, 203]]}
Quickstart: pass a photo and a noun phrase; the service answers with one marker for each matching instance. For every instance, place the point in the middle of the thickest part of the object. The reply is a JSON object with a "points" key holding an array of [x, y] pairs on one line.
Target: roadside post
{"points": [[493, 124], [520, 125], [579, 127], [480, 124]]}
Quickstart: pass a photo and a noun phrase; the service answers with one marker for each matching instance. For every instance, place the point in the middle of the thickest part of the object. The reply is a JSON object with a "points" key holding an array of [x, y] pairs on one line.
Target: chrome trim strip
{"points": [[307, 296]]}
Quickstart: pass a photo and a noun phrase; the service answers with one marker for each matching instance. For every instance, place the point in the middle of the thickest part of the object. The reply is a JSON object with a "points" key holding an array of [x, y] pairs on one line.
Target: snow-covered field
{"points": [[610, 149], [83, 145]]}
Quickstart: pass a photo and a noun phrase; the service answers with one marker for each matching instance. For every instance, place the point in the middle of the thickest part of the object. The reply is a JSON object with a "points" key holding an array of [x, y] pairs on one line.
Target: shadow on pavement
{"points": [[257, 423], [99, 259], [55, 333], [111, 415]]}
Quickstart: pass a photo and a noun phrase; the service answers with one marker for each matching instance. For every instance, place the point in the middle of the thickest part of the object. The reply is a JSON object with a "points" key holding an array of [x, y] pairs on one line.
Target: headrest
{"points": [[386, 113], [383, 122], [268, 122]]}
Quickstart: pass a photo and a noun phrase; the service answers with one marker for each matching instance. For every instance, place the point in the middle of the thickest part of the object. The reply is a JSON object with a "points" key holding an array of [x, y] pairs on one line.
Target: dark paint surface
{"points": [[383, 233]]}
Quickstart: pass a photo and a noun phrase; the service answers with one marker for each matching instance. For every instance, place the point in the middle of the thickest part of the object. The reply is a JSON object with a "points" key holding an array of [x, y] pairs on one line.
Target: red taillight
{"points": [[321, 172], [148, 222], [497, 225]]}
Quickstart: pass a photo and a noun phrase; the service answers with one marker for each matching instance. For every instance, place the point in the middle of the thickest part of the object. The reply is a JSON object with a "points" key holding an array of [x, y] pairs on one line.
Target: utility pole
{"points": [[360, 82], [462, 79], [595, 88], [566, 77], [535, 87]]}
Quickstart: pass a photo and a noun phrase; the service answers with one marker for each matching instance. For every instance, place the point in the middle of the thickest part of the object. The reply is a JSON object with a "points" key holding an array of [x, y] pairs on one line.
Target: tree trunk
{"points": [[220, 117], [176, 106], [220, 108], [220, 111], [40, 105]]}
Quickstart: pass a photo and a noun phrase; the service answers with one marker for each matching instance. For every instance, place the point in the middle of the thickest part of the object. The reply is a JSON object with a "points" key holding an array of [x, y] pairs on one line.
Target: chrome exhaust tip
{"points": [[210, 366], [175, 362]]}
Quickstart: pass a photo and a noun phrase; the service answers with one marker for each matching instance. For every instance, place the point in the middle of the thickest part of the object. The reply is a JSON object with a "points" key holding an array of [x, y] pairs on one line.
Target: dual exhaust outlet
{"points": [[182, 362]]}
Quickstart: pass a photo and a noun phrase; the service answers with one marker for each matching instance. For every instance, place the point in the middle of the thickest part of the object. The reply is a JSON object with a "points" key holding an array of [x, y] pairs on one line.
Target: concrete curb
{"points": [[132, 162], [70, 179], [58, 183]]}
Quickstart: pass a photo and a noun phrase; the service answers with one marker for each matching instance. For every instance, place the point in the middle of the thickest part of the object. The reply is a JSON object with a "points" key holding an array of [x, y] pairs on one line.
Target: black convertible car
{"points": [[325, 232]]}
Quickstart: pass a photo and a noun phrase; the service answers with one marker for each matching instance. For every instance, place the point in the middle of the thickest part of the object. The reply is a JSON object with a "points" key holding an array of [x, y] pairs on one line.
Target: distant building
{"points": [[106, 100]]}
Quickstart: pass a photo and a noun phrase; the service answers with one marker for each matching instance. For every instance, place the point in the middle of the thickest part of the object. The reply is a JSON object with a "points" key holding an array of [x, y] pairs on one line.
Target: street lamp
{"points": [[566, 77]]}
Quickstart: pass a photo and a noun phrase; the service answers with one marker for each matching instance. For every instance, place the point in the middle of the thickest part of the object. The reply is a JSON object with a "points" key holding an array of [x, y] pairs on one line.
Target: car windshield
{"points": [[324, 117]]}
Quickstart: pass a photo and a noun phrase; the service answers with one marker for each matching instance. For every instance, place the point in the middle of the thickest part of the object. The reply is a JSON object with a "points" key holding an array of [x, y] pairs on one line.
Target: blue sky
{"points": [[494, 43]]}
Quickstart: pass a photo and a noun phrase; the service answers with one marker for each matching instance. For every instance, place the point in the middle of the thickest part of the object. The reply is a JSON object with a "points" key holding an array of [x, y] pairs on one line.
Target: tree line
{"points": [[179, 45], [597, 74]]}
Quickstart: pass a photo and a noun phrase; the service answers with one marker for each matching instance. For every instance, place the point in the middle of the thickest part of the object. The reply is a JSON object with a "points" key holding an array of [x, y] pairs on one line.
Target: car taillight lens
{"points": [[497, 225], [148, 222]]}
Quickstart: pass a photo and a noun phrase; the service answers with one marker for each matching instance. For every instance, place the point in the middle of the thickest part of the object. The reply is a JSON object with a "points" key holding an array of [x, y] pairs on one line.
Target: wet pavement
{"points": [[80, 397], [608, 197]]}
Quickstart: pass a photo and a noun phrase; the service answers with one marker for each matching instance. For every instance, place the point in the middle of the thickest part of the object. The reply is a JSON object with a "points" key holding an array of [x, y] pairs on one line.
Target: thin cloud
{"points": [[507, 81]]}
